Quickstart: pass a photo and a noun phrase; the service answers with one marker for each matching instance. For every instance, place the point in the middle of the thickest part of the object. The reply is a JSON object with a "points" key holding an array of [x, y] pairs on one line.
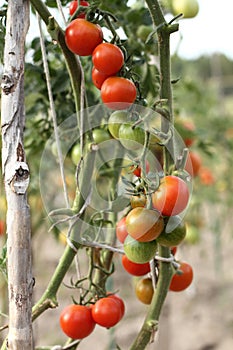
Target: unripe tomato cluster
{"points": [[79, 321], [86, 39]]}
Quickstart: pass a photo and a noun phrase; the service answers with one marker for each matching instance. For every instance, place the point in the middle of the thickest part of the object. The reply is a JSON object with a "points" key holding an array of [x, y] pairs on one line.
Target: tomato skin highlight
{"points": [[106, 312], [144, 224], [182, 278], [76, 321], [118, 93], [108, 58], [82, 36], [172, 196], [133, 268]]}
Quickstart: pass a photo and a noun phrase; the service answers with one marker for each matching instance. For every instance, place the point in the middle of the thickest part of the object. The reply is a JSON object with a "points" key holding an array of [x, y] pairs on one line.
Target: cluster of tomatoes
{"points": [[78, 321], [85, 38], [143, 228]]}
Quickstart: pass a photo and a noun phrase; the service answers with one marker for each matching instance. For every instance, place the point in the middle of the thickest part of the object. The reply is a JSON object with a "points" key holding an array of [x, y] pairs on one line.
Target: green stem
{"points": [[150, 324], [48, 299]]}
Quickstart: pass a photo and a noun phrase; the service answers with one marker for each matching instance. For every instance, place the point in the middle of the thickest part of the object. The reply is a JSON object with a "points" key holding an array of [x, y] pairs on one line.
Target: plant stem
{"points": [[150, 324]]}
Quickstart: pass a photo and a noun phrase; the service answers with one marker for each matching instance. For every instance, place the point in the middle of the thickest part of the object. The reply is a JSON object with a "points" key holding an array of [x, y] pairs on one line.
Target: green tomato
{"points": [[116, 119], [76, 154], [189, 8], [143, 31], [131, 138], [174, 237], [100, 135], [139, 252]]}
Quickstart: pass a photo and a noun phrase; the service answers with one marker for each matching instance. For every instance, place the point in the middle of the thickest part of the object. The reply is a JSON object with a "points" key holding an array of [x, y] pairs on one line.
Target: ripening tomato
{"points": [[139, 252], [134, 268], [138, 200], [108, 58], [144, 224], [82, 36], [174, 232], [74, 5], [182, 278], [107, 312], [98, 78], [76, 321], [144, 290], [193, 163], [118, 93], [172, 196], [121, 231]]}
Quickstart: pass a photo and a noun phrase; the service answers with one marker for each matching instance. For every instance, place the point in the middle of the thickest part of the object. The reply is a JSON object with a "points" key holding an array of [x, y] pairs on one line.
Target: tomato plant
{"points": [[134, 268], [182, 278], [107, 312], [82, 36], [144, 290], [172, 196], [144, 224], [74, 5], [139, 252], [118, 93], [108, 58], [76, 321]]}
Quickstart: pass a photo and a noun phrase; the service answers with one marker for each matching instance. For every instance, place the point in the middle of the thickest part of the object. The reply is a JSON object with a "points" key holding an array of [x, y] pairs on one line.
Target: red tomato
{"points": [[119, 301], [133, 268], [182, 279], [206, 176], [121, 231], [138, 170], [173, 250], [106, 312], [118, 93], [82, 36], [73, 7], [172, 196], [193, 163], [98, 78], [144, 224], [76, 321], [2, 227], [108, 58]]}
